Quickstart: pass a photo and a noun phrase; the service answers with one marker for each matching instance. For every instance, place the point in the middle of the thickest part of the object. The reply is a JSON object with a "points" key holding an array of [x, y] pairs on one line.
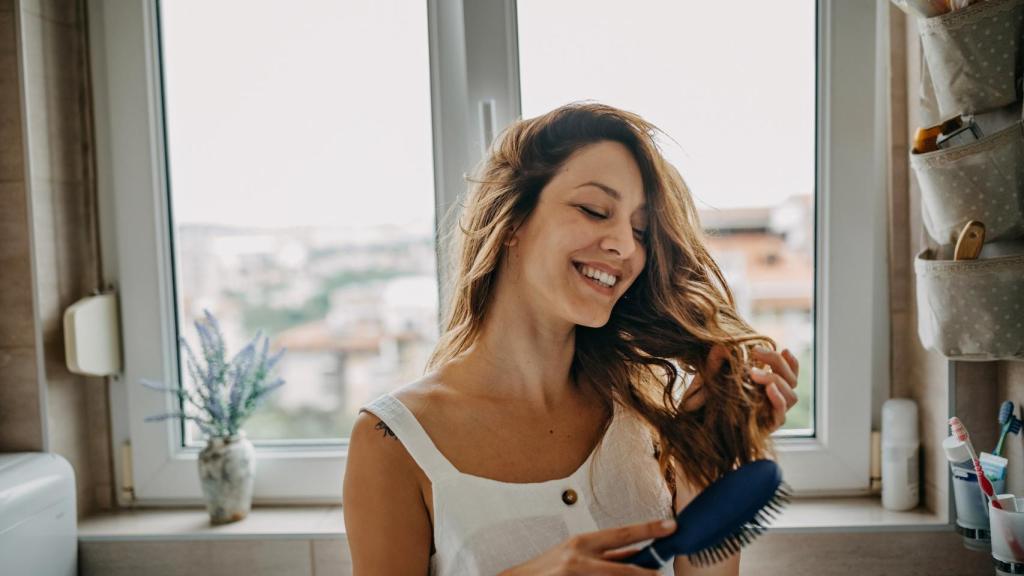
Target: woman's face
{"points": [[590, 220]]}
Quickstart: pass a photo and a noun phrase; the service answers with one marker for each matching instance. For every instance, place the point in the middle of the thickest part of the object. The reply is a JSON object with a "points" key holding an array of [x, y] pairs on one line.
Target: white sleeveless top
{"points": [[483, 526]]}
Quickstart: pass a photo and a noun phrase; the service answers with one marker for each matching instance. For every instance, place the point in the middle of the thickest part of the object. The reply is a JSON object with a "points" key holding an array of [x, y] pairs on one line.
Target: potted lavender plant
{"points": [[224, 396]]}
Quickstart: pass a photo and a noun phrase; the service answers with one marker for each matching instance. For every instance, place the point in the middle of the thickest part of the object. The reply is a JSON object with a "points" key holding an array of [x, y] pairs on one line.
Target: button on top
{"points": [[569, 497]]}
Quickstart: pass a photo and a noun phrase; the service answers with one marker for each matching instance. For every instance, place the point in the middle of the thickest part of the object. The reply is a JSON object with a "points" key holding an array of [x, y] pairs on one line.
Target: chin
{"points": [[593, 321]]}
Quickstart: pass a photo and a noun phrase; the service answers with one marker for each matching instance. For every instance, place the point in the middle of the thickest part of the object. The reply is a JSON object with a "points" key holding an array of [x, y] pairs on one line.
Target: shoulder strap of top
{"points": [[407, 428]]}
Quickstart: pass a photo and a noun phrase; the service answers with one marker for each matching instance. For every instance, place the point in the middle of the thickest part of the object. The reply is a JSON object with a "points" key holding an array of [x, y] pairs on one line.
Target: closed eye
{"points": [[641, 235]]}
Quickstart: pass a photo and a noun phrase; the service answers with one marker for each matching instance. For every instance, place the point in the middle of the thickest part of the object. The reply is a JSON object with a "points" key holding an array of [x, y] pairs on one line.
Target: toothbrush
{"points": [[1011, 424], [960, 431]]}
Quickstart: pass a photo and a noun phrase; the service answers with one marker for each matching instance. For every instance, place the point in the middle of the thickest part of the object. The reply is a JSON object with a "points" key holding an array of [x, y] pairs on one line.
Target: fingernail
{"points": [[668, 524], [757, 372]]}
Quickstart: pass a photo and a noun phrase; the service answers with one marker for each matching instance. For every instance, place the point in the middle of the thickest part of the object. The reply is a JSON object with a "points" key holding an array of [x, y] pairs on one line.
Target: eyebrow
{"points": [[610, 191]]}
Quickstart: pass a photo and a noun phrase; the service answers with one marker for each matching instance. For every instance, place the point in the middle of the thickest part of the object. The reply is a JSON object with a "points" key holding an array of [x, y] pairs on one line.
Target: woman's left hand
{"points": [[779, 382]]}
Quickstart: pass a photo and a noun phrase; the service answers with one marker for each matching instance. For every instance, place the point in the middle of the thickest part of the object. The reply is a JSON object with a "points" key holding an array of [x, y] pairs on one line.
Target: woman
{"points": [[552, 428]]}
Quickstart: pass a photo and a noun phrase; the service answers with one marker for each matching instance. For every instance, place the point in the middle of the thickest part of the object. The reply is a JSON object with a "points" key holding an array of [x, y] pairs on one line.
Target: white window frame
{"points": [[475, 91]]}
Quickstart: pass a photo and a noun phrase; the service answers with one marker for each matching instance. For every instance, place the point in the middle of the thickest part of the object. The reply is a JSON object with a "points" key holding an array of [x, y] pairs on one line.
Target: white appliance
{"points": [[38, 516]]}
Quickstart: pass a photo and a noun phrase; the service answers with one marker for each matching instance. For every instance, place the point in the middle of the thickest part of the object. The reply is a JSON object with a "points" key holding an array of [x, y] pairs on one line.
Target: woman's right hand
{"points": [[594, 553]]}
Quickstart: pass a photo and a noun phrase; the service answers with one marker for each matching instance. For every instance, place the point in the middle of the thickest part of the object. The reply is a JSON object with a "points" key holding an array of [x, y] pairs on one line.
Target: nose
{"points": [[619, 239]]}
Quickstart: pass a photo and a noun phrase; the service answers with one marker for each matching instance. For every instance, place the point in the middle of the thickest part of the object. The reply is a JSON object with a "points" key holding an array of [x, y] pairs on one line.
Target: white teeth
{"points": [[602, 277]]}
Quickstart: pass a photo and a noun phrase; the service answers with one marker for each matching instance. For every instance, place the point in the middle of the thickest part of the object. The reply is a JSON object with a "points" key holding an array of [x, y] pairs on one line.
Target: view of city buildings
{"points": [[357, 311]]}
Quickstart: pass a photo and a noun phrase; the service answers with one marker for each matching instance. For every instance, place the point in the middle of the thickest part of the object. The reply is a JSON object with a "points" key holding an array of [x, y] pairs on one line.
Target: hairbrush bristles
{"points": [[723, 518], [732, 543]]}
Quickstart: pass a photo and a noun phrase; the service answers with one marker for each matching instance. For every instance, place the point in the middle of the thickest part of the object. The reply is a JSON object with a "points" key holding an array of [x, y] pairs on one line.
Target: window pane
{"points": [[733, 84], [301, 188]]}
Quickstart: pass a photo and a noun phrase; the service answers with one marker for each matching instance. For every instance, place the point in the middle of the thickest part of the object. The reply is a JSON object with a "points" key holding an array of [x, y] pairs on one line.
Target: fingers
{"points": [[783, 394], [779, 405], [611, 538], [620, 553], [794, 364], [779, 363]]}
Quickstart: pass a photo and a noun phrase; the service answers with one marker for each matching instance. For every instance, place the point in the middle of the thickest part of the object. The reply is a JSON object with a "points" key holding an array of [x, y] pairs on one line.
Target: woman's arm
{"points": [[386, 520], [682, 566]]}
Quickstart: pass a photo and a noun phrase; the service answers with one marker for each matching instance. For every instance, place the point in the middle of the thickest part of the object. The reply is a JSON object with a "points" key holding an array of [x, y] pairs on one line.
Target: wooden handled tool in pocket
{"points": [[972, 238]]}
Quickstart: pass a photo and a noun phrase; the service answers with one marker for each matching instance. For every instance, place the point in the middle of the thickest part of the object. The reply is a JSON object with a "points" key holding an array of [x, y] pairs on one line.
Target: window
{"points": [[247, 177], [747, 156], [302, 226]]}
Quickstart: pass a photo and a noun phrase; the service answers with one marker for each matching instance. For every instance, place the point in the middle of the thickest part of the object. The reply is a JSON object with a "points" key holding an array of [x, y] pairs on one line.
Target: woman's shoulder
{"points": [[418, 396], [431, 400], [429, 393], [383, 500]]}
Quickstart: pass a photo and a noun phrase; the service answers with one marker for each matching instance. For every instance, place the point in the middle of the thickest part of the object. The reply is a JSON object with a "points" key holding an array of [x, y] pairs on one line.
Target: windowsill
{"points": [[853, 514], [263, 523], [327, 522]]}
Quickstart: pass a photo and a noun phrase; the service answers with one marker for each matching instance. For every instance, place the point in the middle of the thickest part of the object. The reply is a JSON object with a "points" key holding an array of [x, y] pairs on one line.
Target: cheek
{"points": [[640, 264]]}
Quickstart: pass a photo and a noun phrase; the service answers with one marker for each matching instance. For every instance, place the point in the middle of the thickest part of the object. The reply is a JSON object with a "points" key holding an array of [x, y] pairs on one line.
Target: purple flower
{"points": [[225, 393]]}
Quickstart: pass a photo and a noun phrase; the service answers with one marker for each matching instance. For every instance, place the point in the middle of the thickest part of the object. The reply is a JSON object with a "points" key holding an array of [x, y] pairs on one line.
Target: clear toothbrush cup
{"points": [[972, 514], [1007, 532]]}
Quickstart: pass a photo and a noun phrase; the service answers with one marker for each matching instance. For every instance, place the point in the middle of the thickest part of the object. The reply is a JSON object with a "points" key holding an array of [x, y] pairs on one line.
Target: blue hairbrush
{"points": [[726, 516]]}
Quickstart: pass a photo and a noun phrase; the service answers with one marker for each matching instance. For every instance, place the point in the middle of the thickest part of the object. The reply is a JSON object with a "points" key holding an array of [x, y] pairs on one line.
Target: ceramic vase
{"points": [[227, 467]]}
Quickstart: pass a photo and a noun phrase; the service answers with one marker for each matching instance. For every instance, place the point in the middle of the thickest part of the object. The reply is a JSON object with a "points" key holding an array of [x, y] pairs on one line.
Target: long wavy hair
{"points": [[678, 315]]}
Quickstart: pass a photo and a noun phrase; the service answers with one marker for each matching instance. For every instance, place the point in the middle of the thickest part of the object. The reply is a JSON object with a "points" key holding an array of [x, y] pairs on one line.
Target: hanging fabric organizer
{"points": [[973, 309], [973, 55], [977, 181]]}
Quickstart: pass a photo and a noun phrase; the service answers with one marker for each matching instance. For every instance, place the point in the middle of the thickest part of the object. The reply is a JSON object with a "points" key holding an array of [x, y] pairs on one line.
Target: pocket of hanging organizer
{"points": [[983, 180], [972, 309], [973, 55]]}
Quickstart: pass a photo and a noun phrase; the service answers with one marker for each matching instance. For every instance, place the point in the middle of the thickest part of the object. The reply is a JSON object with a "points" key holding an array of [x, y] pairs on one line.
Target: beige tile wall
{"points": [[250, 557], [21, 420], [48, 248], [792, 554], [917, 373], [863, 554]]}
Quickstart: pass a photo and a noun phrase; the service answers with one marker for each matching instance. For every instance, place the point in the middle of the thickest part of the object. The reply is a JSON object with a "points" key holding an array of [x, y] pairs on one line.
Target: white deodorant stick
{"points": [[900, 449]]}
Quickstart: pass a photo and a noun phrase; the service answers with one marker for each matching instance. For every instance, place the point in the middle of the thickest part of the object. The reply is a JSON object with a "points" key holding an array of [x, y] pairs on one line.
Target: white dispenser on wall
{"points": [[900, 455]]}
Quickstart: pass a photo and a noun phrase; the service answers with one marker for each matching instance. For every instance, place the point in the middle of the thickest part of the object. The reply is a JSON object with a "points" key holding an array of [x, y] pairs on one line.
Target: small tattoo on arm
{"points": [[387, 431]]}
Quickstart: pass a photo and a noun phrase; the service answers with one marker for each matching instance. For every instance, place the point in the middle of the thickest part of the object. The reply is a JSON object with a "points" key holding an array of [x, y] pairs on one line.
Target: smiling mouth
{"points": [[593, 282]]}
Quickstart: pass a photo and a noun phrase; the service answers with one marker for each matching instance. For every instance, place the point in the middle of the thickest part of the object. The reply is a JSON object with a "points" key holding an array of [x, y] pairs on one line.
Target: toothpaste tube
{"points": [[956, 452], [994, 466]]}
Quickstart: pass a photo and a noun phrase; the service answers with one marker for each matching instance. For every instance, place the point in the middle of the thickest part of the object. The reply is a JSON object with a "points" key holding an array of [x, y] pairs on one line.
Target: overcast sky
{"points": [[317, 112]]}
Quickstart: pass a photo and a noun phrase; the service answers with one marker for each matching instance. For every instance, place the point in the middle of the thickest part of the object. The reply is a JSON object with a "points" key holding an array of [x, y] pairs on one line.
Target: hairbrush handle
{"points": [[648, 558]]}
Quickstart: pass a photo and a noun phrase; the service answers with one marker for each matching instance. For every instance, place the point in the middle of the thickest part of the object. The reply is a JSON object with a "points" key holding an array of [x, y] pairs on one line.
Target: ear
{"points": [[512, 239]]}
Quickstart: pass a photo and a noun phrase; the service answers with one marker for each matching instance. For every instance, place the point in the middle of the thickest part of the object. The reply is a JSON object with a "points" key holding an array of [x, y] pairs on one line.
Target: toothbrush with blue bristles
{"points": [[1010, 423]]}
